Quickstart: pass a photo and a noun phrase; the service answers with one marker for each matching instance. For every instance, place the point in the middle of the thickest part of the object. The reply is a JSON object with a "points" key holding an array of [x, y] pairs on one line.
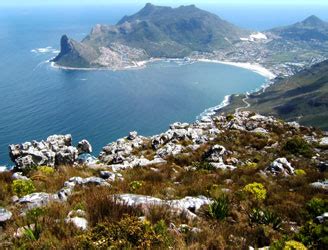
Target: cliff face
{"points": [[75, 54]]}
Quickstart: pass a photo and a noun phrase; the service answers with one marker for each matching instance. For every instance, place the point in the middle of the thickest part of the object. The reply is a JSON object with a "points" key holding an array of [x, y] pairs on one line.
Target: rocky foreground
{"points": [[225, 181]]}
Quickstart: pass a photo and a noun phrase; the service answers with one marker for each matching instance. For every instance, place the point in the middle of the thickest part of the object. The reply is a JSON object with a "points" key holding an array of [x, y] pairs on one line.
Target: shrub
{"points": [[23, 187], [102, 206], [46, 170], [128, 233], [229, 117], [294, 245], [135, 185], [204, 165], [257, 190], [251, 165], [317, 206], [298, 146], [219, 209], [313, 235], [265, 217], [300, 172]]}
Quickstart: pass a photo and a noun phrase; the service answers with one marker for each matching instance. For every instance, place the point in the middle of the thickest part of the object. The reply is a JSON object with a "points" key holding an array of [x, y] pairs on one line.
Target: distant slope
{"points": [[312, 28], [302, 97], [154, 31]]}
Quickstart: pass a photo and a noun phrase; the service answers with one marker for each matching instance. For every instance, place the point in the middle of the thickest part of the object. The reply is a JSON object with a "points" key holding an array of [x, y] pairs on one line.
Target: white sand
{"points": [[255, 67]]}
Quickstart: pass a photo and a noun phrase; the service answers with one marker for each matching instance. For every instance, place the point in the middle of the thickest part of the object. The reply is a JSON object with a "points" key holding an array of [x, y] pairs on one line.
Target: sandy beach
{"points": [[251, 66]]}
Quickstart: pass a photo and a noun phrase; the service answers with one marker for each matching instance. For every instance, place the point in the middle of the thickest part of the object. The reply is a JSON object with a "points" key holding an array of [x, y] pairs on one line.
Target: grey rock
{"points": [[5, 215], [215, 154], [37, 200], [322, 218], [324, 141], [132, 135], [67, 156], [19, 176], [84, 147], [56, 150], [280, 166], [78, 222], [320, 184]]}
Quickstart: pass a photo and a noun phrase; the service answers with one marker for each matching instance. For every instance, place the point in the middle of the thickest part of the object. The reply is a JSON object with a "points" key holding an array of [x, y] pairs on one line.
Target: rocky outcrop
{"points": [[188, 205], [55, 150], [280, 166]]}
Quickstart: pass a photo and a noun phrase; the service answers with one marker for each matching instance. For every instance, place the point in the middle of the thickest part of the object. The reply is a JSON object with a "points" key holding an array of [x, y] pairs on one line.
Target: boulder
{"points": [[77, 218], [37, 200], [19, 176], [320, 184], [221, 165], [324, 142], [132, 135], [215, 154], [78, 222], [67, 156], [187, 206], [87, 159], [280, 166], [84, 147], [322, 218], [5, 215]]}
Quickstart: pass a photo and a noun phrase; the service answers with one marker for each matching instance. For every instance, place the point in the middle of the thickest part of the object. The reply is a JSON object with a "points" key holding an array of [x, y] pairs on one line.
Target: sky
{"points": [[163, 2]]}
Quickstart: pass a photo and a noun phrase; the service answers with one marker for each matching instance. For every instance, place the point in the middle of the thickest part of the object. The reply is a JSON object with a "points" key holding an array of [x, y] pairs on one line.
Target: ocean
{"points": [[37, 100]]}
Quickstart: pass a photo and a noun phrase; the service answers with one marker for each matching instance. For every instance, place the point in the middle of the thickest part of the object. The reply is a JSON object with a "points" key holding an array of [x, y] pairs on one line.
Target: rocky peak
{"points": [[313, 21], [65, 44]]}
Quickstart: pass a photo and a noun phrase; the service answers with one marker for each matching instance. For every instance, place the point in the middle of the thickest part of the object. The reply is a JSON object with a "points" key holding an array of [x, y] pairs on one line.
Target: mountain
{"points": [[312, 28], [302, 97], [154, 31]]}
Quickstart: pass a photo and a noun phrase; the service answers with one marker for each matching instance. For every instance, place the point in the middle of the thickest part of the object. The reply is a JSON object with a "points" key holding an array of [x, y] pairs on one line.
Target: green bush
{"points": [[298, 146], [229, 117], [219, 209], [265, 217], [203, 165], [299, 172], [23, 187], [135, 185], [294, 245], [128, 233], [46, 170], [317, 206], [250, 165], [257, 190], [314, 236]]}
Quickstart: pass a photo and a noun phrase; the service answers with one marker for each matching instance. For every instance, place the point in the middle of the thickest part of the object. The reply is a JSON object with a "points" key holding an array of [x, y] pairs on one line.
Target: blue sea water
{"points": [[37, 100]]}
